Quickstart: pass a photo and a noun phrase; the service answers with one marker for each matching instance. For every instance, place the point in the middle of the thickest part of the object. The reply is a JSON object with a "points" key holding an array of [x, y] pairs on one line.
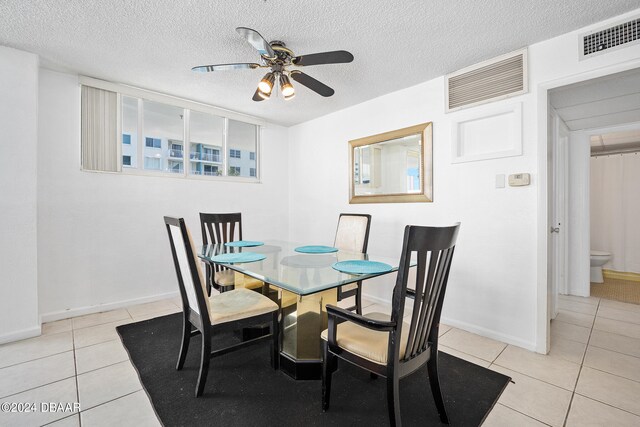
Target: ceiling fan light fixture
{"points": [[263, 95], [266, 84], [288, 97], [286, 87]]}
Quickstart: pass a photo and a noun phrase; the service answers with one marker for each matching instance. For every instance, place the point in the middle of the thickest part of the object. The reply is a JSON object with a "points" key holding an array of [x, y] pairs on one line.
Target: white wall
{"points": [[493, 276], [498, 284], [101, 237], [18, 208]]}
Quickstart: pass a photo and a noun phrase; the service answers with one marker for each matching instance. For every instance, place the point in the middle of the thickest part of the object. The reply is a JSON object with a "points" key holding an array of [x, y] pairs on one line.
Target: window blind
{"points": [[99, 130]]}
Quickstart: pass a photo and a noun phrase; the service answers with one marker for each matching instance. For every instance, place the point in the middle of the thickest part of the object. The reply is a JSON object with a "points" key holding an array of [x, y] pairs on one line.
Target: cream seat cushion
{"points": [[248, 282], [367, 343], [224, 277], [238, 304], [227, 278]]}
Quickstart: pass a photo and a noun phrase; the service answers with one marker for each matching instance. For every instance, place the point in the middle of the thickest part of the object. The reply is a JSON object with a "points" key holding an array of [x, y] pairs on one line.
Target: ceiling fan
{"points": [[277, 57]]}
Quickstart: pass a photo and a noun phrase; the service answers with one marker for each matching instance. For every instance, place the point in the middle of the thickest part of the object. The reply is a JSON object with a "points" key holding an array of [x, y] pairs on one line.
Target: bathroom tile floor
{"points": [[617, 289], [590, 377]]}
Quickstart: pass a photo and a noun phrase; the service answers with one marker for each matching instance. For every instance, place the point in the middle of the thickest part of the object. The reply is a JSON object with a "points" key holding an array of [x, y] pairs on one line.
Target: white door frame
{"points": [[541, 91]]}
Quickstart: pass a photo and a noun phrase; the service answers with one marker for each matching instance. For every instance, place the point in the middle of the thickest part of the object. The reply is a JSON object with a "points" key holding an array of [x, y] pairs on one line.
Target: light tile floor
{"points": [[591, 376]]}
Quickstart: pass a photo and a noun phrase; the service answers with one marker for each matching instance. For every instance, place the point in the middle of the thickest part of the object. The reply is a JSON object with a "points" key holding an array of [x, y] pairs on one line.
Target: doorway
{"points": [[590, 120], [618, 89]]}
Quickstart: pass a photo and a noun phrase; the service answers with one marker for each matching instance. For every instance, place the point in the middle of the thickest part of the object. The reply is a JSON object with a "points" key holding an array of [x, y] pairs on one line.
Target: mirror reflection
{"points": [[392, 167], [388, 167]]}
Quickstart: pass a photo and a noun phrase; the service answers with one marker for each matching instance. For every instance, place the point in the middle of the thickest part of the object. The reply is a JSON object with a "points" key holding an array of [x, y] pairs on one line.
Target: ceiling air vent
{"points": [[606, 39], [498, 78]]}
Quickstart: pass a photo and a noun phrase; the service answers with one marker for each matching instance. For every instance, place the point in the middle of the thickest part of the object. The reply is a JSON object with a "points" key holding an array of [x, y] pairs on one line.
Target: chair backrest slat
{"points": [[416, 312], [433, 248], [232, 226], [435, 288], [207, 230]]}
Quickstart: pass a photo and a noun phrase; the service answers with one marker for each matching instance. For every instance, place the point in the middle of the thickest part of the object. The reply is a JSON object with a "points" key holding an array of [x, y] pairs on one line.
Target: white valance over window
{"points": [[99, 130]]}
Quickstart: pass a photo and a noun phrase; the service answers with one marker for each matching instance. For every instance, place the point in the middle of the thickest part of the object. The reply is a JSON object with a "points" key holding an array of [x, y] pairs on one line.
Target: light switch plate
{"points": [[500, 181], [519, 179]]}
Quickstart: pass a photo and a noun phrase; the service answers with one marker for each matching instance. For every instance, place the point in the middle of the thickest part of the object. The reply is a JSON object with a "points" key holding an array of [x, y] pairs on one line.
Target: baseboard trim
{"points": [[488, 333], [21, 335], [81, 311], [621, 275]]}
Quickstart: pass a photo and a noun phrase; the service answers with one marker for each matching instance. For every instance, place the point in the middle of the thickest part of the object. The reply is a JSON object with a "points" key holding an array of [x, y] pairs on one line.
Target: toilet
{"points": [[598, 259]]}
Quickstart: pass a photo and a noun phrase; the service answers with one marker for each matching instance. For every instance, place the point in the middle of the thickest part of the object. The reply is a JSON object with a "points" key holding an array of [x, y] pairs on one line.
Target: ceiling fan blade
{"points": [[334, 57], [256, 40], [311, 83], [224, 67], [257, 97]]}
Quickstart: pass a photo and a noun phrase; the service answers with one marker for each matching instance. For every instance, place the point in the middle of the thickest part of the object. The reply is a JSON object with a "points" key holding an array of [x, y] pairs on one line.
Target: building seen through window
{"points": [[163, 130]]}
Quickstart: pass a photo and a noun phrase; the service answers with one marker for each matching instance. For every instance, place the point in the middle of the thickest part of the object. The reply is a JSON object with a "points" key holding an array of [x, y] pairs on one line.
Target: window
{"points": [[207, 138], [174, 166], [211, 170], [242, 137], [153, 142], [130, 131], [152, 163], [210, 154], [162, 124], [175, 150], [152, 135]]}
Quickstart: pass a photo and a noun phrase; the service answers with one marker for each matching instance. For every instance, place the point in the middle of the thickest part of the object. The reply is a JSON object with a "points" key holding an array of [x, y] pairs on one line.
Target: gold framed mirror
{"points": [[392, 167]]}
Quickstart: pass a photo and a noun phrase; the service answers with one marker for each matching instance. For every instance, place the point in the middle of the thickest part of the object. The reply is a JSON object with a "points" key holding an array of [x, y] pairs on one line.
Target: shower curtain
{"points": [[615, 209]]}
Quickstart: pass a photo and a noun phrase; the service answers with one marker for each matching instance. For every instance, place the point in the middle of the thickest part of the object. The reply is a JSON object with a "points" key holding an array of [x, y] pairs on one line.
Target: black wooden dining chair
{"points": [[390, 347], [209, 316], [223, 228], [352, 235]]}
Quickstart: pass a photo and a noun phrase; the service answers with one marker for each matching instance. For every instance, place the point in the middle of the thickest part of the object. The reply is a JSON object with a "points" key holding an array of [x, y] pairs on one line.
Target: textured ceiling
{"points": [[396, 43]]}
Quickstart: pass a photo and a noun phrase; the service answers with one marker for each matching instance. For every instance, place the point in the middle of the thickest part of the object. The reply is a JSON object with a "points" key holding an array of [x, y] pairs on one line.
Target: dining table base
{"points": [[303, 318]]}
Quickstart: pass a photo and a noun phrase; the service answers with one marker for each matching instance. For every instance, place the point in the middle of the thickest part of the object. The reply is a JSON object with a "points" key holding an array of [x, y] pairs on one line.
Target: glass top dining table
{"points": [[300, 273]]}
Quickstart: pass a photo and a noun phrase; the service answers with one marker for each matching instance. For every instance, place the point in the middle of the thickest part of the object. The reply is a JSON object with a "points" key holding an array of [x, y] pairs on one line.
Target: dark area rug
{"points": [[243, 390]]}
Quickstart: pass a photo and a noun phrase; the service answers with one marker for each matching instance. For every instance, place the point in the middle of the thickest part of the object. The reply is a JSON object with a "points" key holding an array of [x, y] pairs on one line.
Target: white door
{"points": [[558, 213]]}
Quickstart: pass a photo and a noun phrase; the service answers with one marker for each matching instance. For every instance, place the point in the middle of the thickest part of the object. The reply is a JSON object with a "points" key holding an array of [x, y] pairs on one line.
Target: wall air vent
{"points": [[498, 78], [606, 39]]}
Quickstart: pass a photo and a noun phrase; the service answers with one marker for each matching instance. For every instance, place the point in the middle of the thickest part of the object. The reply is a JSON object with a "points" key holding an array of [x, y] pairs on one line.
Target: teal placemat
{"points": [[236, 258], [243, 243], [359, 266], [315, 249]]}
